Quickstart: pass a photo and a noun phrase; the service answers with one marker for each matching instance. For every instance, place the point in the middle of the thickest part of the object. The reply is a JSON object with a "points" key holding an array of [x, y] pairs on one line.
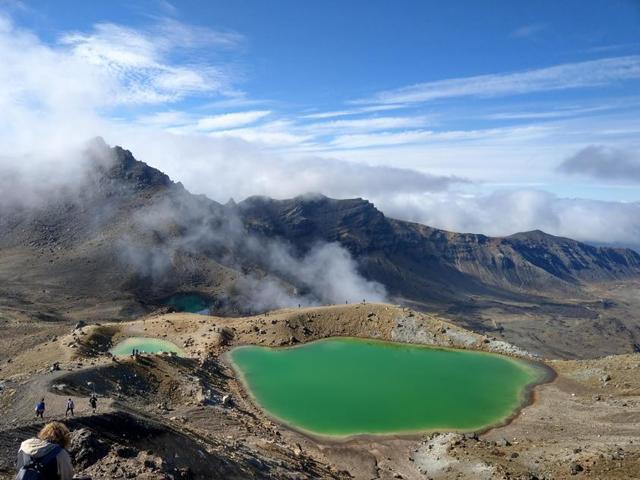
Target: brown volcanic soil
{"points": [[562, 329], [162, 416]]}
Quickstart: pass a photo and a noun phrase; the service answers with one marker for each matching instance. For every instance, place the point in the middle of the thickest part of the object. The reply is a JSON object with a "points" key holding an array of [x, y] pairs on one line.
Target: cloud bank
{"points": [[505, 212], [604, 163], [293, 278]]}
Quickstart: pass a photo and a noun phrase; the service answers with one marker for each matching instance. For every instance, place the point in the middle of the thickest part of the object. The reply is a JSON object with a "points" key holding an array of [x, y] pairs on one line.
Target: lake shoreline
{"points": [[127, 345], [529, 394]]}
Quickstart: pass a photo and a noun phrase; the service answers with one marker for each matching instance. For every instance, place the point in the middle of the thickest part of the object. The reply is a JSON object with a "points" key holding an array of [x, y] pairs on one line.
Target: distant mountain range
{"points": [[421, 263]]}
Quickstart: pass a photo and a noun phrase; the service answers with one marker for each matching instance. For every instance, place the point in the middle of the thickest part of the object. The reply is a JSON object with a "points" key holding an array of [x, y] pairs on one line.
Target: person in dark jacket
{"points": [[40, 407], [48, 449]]}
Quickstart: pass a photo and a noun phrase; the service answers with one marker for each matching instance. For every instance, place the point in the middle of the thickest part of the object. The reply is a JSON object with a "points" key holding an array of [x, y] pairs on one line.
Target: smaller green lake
{"points": [[144, 345], [347, 386], [189, 302]]}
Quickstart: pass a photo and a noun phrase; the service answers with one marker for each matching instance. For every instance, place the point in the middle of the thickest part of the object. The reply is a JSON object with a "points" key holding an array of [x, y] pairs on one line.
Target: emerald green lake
{"points": [[145, 345], [188, 302], [348, 386]]}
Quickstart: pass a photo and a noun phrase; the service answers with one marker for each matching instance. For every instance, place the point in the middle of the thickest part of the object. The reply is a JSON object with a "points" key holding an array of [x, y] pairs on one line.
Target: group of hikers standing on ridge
{"points": [[41, 406]]}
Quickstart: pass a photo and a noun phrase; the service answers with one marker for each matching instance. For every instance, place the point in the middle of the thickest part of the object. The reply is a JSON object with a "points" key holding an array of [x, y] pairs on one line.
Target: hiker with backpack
{"points": [[40, 407], [44, 457]]}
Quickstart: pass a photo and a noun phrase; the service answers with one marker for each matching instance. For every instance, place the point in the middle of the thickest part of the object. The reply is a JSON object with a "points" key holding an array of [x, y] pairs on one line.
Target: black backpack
{"points": [[43, 468]]}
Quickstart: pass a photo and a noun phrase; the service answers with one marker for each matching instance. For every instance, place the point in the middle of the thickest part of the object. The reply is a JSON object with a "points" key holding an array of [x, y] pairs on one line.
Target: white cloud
{"points": [[138, 60], [613, 47], [167, 7], [506, 134], [352, 111], [366, 124], [169, 118], [223, 167], [276, 134], [287, 133], [170, 33], [185, 123], [527, 31], [560, 77], [66, 92], [381, 139], [48, 97], [547, 114], [604, 163], [230, 120], [505, 212]]}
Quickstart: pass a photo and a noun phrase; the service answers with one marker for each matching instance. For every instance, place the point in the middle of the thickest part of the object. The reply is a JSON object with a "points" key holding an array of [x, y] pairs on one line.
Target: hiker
{"points": [[40, 407], [45, 457], [70, 407], [93, 401]]}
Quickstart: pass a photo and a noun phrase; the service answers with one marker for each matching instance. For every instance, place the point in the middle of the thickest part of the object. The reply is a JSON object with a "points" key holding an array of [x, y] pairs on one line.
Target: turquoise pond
{"points": [[145, 345], [348, 386], [189, 302]]}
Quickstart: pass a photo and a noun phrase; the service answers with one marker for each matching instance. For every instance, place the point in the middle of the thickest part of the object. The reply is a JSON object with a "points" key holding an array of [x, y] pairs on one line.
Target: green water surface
{"points": [[348, 386], [145, 345], [188, 302]]}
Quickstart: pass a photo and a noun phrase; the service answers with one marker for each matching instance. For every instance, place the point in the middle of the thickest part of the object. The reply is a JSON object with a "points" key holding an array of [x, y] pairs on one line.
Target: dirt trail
{"points": [[20, 409]]}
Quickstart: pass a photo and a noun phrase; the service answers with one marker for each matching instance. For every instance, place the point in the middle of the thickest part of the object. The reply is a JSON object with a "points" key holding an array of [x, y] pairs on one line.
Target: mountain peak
{"points": [[118, 164], [535, 235]]}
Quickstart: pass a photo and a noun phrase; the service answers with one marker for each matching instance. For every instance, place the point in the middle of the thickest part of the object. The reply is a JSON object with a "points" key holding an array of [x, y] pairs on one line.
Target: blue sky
{"points": [[448, 109], [311, 53]]}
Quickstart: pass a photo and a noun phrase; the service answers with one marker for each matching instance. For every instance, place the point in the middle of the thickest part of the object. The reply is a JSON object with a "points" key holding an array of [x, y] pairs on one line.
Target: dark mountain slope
{"points": [[109, 246], [393, 251]]}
